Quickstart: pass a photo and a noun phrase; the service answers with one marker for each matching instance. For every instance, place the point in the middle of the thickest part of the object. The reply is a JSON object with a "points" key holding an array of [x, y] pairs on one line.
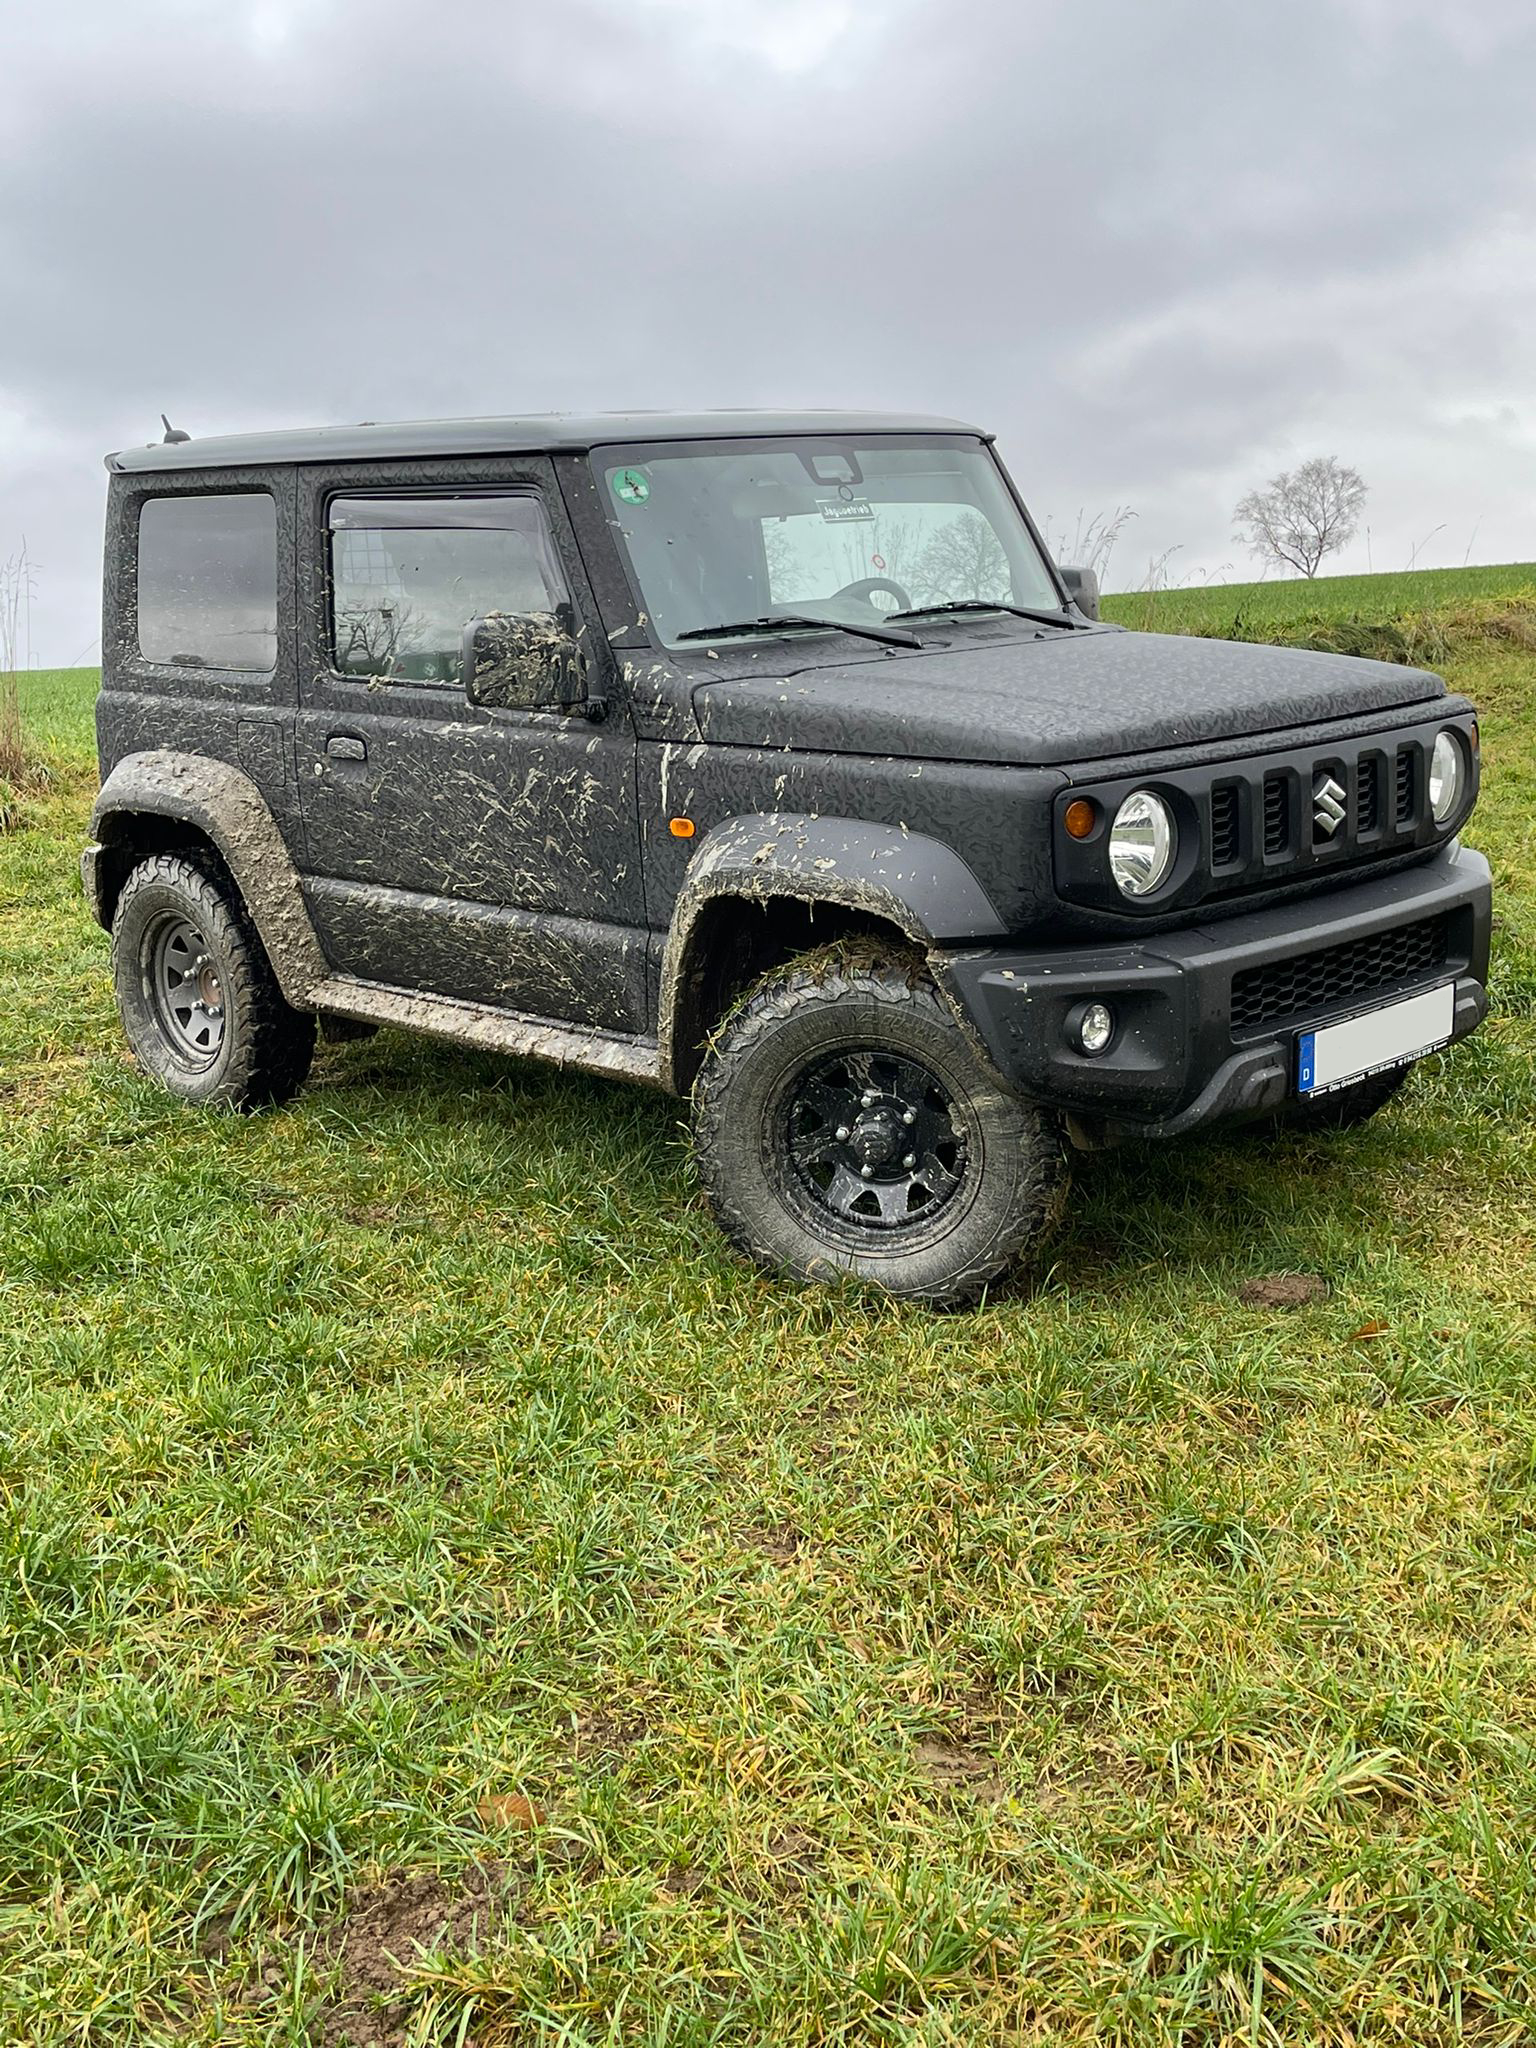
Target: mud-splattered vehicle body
{"points": [[768, 760]]}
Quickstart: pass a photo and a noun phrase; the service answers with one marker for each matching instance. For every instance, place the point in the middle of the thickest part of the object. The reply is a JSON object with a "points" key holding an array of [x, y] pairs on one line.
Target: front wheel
{"points": [[200, 1005], [844, 1125]]}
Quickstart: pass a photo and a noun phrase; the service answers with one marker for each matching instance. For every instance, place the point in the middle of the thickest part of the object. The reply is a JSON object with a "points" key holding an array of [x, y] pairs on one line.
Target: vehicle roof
{"points": [[547, 433]]}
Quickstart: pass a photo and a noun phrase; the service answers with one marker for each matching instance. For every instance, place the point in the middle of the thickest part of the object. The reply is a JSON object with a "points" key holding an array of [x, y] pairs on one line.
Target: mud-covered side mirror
{"points": [[1083, 589], [526, 661]]}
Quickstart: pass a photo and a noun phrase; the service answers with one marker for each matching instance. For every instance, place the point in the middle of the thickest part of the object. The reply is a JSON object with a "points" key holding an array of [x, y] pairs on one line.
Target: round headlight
{"points": [[1141, 843], [1447, 776]]}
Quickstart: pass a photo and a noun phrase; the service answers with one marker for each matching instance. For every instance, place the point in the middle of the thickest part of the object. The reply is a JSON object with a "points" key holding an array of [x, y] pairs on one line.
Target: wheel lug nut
{"points": [[866, 1173], [843, 1134], [868, 1099], [909, 1116], [910, 1161]]}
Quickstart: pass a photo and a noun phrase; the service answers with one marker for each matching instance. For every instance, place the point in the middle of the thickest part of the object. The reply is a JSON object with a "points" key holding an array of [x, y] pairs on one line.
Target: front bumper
{"points": [[1204, 1031]]}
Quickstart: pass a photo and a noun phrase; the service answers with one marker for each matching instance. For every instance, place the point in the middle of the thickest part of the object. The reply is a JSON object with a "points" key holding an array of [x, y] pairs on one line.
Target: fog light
{"points": [[1095, 1028]]}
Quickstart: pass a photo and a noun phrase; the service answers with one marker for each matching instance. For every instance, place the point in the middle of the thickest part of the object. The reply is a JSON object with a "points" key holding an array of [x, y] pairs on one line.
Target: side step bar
{"points": [[567, 1045]]}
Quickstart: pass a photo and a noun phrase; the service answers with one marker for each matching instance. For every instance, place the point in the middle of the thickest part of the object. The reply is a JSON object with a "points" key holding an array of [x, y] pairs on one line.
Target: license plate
{"points": [[1341, 1053]]}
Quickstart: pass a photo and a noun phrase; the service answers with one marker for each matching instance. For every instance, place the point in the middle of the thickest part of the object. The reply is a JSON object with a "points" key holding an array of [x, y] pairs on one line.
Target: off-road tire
{"points": [[881, 1004], [265, 1046], [1346, 1107]]}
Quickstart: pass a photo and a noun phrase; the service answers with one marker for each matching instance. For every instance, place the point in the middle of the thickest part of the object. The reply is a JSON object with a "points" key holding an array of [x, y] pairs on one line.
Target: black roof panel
{"points": [[548, 433]]}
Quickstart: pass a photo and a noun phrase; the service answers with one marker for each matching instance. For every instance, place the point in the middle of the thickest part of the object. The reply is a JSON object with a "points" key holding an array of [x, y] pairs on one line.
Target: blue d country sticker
{"points": [[1306, 1061], [633, 486]]}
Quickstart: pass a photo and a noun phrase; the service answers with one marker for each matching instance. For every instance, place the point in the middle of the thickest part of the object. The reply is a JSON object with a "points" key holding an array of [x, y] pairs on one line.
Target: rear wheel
{"points": [[1343, 1108], [200, 1005], [845, 1125]]}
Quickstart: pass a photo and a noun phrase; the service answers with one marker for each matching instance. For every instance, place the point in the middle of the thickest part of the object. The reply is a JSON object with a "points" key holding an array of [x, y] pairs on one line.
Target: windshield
{"points": [[719, 533]]}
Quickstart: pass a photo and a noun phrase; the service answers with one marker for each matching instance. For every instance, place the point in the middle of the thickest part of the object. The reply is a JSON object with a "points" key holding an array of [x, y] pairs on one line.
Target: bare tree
{"points": [[964, 559], [371, 638], [799, 568], [1302, 515]]}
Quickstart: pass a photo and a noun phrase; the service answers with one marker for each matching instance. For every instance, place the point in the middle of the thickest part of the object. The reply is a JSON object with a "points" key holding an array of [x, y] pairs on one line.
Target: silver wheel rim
{"points": [[186, 990]]}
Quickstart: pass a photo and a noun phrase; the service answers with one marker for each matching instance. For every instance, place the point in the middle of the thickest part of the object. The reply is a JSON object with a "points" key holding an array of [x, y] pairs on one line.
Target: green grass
{"points": [[59, 706], [1113, 1663], [1284, 609]]}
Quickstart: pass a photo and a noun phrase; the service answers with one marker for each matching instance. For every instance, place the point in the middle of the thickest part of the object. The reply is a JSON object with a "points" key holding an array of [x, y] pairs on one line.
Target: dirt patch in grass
{"points": [[682, 1881], [598, 1733], [390, 1926], [782, 1542], [953, 1768], [1283, 1290], [791, 1861], [795, 1846]]}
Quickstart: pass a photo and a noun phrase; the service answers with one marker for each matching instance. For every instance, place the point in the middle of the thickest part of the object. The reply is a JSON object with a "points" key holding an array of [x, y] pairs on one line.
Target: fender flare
{"points": [[907, 879], [227, 808]]}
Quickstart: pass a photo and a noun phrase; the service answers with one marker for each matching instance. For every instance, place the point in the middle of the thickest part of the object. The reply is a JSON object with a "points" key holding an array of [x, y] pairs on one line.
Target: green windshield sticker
{"points": [[633, 486]]}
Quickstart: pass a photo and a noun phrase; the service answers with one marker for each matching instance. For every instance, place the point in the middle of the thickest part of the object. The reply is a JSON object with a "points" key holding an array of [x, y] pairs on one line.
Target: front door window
{"points": [[409, 573]]}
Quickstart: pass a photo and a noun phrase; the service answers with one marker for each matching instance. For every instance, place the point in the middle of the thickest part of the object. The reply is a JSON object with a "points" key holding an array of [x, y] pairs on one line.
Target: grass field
{"points": [[1260, 611], [445, 1598]]}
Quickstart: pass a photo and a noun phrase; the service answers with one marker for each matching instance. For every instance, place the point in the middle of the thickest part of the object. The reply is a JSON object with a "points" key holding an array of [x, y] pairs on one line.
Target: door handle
{"points": [[345, 746]]}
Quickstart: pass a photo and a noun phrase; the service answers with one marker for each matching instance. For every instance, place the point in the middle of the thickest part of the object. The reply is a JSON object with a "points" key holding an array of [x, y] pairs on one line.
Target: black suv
{"points": [[765, 759]]}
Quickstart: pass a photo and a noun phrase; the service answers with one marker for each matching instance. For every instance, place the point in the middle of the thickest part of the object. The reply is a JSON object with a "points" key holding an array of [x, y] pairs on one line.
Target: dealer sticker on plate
{"points": [[1340, 1053]]}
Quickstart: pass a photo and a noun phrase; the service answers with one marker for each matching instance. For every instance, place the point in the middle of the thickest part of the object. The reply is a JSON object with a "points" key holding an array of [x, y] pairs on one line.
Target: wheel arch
{"points": [[793, 881], [157, 801]]}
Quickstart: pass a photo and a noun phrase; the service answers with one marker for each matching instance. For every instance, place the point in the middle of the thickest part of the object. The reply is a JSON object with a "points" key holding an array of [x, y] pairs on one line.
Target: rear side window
{"points": [[408, 575], [208, 581]]}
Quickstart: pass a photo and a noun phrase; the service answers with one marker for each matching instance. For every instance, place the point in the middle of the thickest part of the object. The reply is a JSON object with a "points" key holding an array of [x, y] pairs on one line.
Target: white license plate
{"points": [[1340, 1053]]}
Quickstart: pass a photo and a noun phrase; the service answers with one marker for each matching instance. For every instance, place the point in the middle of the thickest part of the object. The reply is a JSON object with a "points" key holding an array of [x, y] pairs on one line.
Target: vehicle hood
{"points": [[1037, 703]]}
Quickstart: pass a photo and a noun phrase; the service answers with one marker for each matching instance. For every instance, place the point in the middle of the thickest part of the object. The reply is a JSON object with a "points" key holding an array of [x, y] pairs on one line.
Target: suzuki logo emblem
{"points": [[1327, 804]]}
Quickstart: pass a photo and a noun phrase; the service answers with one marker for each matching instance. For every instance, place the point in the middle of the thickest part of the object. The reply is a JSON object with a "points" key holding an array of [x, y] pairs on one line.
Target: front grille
{"points": [[1225, 843], [1271, 820], [1336, 975], [1404, 786], [1367, 793], [1276, 814]]}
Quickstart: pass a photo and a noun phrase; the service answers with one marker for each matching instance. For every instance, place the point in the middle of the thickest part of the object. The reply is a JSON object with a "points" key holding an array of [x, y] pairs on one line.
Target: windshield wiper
{"points": [[983, 604], [796, 622]]}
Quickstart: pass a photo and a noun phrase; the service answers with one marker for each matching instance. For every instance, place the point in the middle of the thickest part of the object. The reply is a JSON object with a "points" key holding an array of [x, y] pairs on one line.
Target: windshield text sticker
{"points": [[836, 510]]}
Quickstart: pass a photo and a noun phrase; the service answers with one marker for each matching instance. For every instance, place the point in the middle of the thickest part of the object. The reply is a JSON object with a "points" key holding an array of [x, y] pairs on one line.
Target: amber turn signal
{"points": [[1080, 817], [682, 828]]}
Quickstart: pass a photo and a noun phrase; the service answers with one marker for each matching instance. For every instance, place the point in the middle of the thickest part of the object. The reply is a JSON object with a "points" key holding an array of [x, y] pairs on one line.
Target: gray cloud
{"points": [[1160, 250]]}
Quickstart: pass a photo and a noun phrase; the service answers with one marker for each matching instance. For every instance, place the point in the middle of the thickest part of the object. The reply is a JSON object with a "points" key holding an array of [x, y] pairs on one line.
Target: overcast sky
{"points": [[1162, 249]]}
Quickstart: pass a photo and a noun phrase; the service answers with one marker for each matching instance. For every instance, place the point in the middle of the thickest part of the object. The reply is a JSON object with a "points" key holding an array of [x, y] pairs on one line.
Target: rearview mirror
{"points": [[525, 661], [1083, 589]]}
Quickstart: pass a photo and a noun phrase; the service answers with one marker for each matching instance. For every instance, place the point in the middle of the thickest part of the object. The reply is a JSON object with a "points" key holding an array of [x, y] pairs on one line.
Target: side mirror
{"points": [[1083, 589], [525, 661]]}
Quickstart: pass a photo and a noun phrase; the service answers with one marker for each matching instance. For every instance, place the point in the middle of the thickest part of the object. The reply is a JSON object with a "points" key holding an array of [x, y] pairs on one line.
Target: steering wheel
{"points": [[866, 587]]}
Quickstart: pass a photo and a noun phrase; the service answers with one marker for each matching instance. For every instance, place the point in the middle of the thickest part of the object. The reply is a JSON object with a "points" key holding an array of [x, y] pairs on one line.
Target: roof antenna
{"points": [[173, 433]]}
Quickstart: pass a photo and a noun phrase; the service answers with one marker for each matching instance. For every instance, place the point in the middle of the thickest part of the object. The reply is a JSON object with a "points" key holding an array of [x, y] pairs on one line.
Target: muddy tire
{"points": [[845, 1126], [1347, 1107], [200, 1005]]}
